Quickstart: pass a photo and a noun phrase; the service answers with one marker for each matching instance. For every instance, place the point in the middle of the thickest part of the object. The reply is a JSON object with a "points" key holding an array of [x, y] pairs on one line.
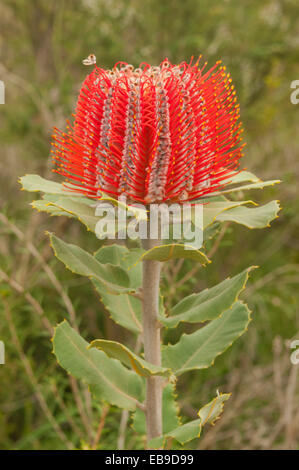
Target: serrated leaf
{"points": [[258, 217], [211, 231], [129, 358], [192, 430], [113, 254], [213, 209], [139, 213], [208, 304], [212, 411], [242, 177], [133, 267], [173, 251], [37, 183], [119, 255], [114, 278], [42, 205], [53, 198], [170, 412], [108, 378], [125, 310], [258, 185], [170, 408], [81, 211], [114, 217], [200, 349], [183, 434]]}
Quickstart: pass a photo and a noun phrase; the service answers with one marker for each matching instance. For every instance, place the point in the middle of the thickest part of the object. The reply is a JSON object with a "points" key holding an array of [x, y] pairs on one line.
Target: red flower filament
{"points": [[153, 134]]}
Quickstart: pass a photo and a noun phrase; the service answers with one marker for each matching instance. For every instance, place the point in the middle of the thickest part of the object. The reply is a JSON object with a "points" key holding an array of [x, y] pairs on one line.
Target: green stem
{"points": [[152, 341]]}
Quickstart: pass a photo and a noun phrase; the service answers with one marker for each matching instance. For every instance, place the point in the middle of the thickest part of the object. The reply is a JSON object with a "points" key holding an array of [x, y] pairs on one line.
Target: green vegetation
{"points": [[42, 46]]}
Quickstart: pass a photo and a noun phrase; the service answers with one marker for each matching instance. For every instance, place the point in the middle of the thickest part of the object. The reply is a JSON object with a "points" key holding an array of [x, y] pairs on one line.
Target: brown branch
{"points": [[96, 441], [218, 240]]}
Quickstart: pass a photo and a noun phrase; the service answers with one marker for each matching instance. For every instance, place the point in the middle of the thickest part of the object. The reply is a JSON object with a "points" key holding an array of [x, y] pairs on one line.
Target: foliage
{"points": [[42, 70], [102, 364]]}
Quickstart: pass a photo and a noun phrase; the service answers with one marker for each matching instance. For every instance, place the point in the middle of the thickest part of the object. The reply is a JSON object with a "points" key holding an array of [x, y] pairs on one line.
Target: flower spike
{"points": [[154, 133]]}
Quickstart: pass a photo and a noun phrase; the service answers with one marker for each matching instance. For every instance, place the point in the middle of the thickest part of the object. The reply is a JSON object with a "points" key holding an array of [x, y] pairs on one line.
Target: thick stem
{"points": [[152, 341]]}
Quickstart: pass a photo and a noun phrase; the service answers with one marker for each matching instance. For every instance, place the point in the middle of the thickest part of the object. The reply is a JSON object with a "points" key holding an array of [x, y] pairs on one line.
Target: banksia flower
{"points": [[153, 134]]}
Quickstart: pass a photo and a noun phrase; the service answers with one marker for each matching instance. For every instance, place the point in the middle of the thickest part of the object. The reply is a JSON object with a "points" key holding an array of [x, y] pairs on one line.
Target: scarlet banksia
{"points": [[153, 134]]}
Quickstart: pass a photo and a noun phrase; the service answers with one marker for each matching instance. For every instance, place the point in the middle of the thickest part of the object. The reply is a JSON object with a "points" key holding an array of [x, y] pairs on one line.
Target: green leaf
{"points": [[138, 212], [81, 211], [114, 220], [208, 304], [37, 183], [114, 278], [173, 251], [211, 231], [242, 177], [124, 309], [258, 217], [54, 198], [69, 203], [213, 209], [42, 205], [212, 411], [189, 431], [200, 349], [183, 434], [170, 412], [127, 259], [78, 208], [129, 358], [108, 378], [114, 254], [170, 408], [259, 185]]}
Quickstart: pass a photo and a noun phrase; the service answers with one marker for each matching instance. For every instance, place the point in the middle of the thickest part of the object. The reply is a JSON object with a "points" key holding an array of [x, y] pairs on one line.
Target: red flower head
{"points": [[166, 133]]}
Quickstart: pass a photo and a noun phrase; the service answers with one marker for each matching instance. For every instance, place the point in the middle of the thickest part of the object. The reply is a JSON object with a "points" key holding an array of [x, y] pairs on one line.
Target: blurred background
{"points": [[42, 44]]}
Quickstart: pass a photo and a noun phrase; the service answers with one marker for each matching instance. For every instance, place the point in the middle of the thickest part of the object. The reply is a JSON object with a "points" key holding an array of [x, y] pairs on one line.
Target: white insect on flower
{"points": [[90, 60]]}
